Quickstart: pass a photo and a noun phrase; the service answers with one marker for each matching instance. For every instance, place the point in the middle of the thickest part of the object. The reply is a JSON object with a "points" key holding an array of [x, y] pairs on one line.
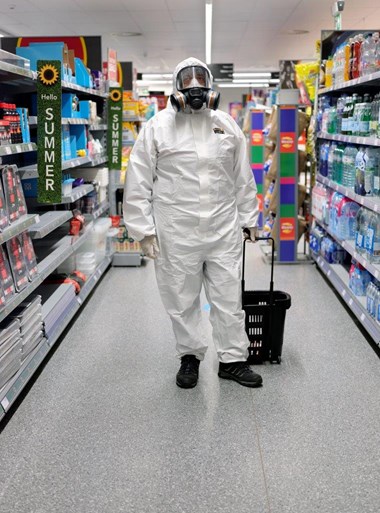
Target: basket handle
{"points": [[271, 286]]}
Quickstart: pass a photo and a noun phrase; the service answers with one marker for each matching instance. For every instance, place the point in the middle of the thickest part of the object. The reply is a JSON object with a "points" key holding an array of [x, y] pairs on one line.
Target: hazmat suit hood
{"points": [[192, 61]]}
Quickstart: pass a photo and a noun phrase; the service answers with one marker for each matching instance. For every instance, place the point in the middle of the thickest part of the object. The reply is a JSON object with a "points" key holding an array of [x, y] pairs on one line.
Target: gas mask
{"points": [[194, 90]]}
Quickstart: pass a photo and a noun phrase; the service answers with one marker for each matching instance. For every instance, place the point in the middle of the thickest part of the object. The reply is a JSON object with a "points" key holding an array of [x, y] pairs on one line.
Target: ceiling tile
{"points": [[101, 5], [54, 5], [146, 5], [187, 15]]}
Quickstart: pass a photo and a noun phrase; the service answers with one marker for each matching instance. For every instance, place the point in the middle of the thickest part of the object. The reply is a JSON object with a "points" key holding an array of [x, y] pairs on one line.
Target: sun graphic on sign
{"points": [[48, 74], [115, 95]]}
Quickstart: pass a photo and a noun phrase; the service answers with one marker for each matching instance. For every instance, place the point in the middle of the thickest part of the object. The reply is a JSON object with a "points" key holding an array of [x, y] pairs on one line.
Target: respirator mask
{"points": [[194, 90]]}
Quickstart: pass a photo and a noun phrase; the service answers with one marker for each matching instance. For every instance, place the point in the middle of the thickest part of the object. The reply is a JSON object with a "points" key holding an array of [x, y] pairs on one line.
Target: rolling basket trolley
{"points": [[264, 317]]}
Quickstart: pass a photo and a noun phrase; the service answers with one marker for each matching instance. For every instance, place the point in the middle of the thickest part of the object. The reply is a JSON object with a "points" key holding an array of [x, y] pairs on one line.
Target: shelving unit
{"points": [[14, 387], [337, 274], [338, 277], [56, 248], [365, 201]]}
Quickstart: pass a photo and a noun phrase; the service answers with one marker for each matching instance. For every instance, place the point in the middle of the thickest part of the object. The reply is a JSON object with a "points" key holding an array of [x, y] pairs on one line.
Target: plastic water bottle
{"points": [[370, 298], [333, 221], [324, 159], [361, 230], [338, 163], [373, 238], [349, 156], [372, 166], [360, 166], [346, 221], [331, 160], [339, 113]]}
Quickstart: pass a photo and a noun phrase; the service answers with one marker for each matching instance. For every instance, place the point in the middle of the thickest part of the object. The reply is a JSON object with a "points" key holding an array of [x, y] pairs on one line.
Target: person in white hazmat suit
{"points": [[189, 191]]}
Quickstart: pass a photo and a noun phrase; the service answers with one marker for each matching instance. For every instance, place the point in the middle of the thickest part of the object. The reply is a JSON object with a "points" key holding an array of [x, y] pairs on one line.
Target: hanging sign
{"points": [[49, 108], [115, 134]]}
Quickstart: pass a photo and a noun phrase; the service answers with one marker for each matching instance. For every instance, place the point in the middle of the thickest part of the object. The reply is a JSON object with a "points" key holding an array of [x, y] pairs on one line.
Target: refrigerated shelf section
{"points": [[13, 149], [49, 222], [366, 201], [350, 139], [18, 227], [338, 277]]}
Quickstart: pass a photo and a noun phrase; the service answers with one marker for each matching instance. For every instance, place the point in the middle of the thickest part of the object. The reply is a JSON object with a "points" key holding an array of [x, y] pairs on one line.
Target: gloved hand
{"points": [[149, 245], [251, 234]]}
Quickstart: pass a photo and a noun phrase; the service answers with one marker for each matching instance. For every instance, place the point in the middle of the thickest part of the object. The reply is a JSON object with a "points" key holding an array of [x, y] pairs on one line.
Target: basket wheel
{"points": [[276, 360]]}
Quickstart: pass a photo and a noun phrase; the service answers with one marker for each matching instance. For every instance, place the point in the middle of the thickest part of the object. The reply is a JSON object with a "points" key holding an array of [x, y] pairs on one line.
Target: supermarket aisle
{"points": [[105, 430]]}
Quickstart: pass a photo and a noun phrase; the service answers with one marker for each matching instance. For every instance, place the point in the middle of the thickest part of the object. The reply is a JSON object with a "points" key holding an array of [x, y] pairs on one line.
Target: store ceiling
{"points": [[250, 33]]}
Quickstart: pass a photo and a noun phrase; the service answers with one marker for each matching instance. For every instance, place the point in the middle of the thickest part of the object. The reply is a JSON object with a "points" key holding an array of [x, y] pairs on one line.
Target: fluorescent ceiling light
{"points": [[208, 30], [252, 75], [153, 82], [249, 80], [158, 76], [274, 80], [245, 85], [1, 35]]}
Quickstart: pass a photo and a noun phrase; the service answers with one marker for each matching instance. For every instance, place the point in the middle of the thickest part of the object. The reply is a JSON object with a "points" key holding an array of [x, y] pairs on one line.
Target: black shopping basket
{"points": [[264, 318]]}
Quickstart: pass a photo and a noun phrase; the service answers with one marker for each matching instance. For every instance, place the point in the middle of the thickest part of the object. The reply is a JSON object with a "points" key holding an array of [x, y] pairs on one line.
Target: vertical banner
{"points": [[115, 128], [49, 108], [288, 175], [111, 65], [257, 156]]}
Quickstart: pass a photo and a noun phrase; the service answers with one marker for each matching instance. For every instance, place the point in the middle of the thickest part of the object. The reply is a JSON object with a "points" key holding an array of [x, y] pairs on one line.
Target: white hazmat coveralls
{"points": [[192, 186]]}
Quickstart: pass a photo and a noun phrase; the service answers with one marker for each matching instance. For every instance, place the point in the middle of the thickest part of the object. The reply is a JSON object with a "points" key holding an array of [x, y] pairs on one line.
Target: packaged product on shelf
{"points": [[269, 194], [5, 133], [22, 208], [6, 275], [10, 363], [30, 342], [29, 254], [4, 220], [9, 334], [360, 167], [316, 236], [2, 297], [17, 263], [10, 190], [362, 218], [373, 238], [359, 279]]}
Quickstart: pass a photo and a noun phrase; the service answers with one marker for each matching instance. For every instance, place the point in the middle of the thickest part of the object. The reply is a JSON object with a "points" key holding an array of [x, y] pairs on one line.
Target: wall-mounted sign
{"points": [[49, 107], [222, 72]]}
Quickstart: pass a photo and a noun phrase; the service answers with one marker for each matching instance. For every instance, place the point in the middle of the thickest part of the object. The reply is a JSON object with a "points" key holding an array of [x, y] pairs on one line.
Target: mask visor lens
{"points": [[194, 76]]}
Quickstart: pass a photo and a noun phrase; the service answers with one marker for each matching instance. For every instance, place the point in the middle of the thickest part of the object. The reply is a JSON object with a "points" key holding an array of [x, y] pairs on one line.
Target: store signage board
{"points": [[49, 109], [115, 132], [222, 72]]}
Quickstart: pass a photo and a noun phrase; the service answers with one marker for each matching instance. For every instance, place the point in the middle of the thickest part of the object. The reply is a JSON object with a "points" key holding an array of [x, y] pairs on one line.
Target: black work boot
{"points": [[240, 372], [187, 376]]}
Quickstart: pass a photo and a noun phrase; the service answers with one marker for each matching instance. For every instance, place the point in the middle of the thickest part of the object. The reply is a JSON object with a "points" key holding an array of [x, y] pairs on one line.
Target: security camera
{"points": [[338, 7]]}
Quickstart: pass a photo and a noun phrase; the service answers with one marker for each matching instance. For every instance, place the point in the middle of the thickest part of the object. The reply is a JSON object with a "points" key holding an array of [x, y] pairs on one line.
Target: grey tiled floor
{"points": [[104, 429]]}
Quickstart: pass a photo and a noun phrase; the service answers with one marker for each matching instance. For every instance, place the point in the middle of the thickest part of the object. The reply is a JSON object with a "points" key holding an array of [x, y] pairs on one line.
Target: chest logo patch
{"points": [[218, 130]]}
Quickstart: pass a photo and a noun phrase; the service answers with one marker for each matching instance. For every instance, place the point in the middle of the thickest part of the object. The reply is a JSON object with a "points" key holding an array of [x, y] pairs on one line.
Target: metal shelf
{"points": [[14, 387], [77, 193], [68, 86], [350, 248], [133, 119], [365, 201], [338, 277], [371, 80], [17, 227], [94, 128], [16, 72], [79, 161], [102, 208], [64, 323], [49, 222], [13, 149], [93, 279], [97, 161], [351, 139], [65, 121]]}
